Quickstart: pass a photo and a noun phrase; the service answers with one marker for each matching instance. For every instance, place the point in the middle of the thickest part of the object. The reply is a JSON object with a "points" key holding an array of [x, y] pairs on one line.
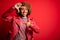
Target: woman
{"points": [[22, 27]]}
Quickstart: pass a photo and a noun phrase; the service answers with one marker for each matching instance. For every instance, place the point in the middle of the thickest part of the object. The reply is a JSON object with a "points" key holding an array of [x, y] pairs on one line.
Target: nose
{"points": [[24, 11]]}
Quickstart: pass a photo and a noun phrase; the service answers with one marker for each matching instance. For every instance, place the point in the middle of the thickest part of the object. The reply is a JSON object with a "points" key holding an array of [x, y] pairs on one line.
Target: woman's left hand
{"points": [[28, 24]]}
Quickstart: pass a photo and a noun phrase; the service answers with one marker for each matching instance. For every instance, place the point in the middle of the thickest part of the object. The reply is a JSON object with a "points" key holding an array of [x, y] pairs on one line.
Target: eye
{"points": [[22, 8]]}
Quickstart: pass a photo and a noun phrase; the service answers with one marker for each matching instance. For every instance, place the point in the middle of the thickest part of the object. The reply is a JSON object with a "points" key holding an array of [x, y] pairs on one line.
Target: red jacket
{"points": [[15, 22]]}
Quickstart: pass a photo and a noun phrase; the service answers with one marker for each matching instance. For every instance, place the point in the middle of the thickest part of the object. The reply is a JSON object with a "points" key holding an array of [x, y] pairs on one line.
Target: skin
{"points": [[17, 6], [24, 12]]}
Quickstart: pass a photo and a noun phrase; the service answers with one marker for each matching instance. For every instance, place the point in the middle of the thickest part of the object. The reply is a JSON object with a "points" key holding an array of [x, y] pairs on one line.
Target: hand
{"points": [[28, 24], [17, 6]]}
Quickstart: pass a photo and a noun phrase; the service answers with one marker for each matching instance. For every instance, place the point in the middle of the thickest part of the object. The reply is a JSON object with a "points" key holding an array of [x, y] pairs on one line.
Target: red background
{"points": [[46, 14]]}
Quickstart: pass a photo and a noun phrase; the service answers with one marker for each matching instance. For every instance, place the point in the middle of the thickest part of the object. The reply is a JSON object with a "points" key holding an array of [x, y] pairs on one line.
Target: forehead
{"points": [[23, 7]]}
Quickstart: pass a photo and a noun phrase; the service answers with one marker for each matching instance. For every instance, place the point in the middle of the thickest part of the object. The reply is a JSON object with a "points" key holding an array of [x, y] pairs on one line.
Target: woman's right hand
{"points": [[17, 6]]}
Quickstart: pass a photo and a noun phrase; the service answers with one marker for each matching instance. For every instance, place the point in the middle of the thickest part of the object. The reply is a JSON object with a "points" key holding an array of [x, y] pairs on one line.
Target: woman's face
{"points": [[24, 11]]}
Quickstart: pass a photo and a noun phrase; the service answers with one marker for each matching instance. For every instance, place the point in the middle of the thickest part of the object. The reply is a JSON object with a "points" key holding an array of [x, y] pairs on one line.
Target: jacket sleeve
{"points": [[6, 15], [34, 27]]}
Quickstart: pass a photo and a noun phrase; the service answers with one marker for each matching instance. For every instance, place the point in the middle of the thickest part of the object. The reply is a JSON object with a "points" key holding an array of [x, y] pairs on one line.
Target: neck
{"points": [[23, 17]]}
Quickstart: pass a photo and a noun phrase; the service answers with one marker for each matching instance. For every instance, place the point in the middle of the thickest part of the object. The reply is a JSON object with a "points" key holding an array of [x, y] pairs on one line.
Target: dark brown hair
{"points": [[28, 7]]}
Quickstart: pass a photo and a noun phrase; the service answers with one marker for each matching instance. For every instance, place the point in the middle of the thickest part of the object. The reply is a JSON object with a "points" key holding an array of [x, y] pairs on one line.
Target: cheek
{"points": [[22, 11], [26, 11]]}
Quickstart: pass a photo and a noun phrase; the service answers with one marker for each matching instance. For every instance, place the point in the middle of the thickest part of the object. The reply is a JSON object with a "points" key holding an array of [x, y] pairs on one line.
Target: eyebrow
{"points": [[23, 8]]}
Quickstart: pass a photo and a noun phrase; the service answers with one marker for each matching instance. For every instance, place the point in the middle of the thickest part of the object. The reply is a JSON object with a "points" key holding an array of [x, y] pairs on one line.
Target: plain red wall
{"points": [[46, 14]]}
